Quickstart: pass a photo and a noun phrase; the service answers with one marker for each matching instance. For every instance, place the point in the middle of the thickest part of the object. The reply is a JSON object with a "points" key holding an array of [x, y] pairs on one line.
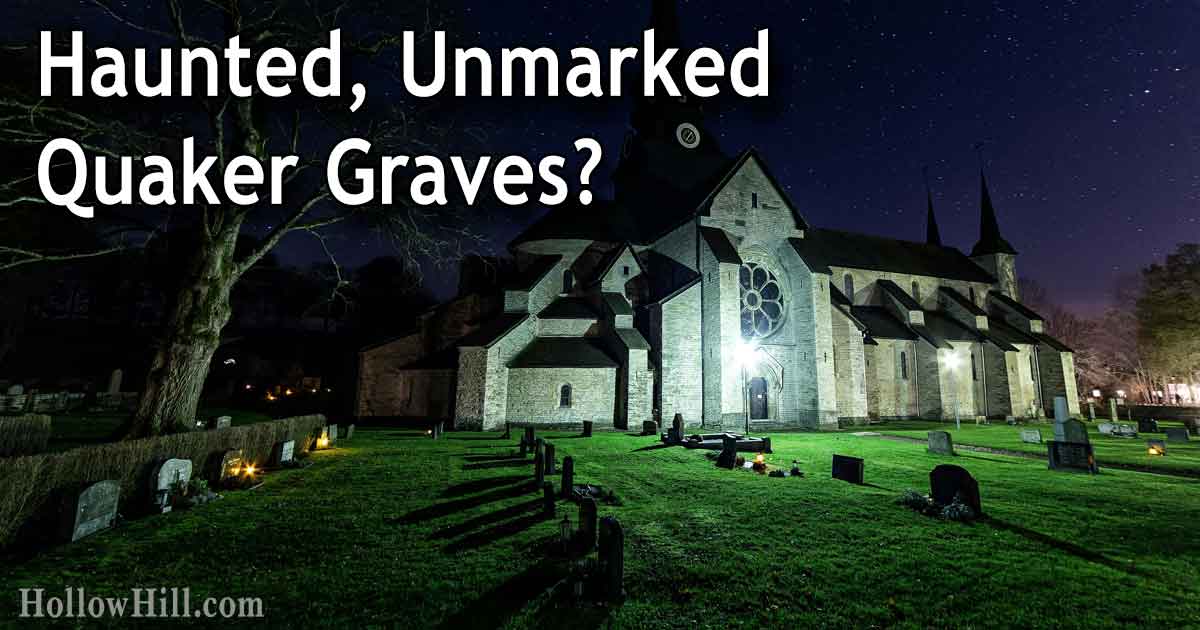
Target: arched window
{"points": [[903, 366], [974, 374], [916, 291], [568, 281], [848, 285], [564, 395]]}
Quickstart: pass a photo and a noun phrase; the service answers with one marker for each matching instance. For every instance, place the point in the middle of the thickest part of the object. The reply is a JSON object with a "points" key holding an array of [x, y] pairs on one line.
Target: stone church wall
{"points": [[533, 395], [681, 383], [889, 394], [849, 368], [1058, 379], [379, 374], [472, 386], [1003, 384]]}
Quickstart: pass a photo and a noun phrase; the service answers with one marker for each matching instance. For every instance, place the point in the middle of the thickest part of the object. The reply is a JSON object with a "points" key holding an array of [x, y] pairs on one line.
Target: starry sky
{"points": [[1088, 112]]}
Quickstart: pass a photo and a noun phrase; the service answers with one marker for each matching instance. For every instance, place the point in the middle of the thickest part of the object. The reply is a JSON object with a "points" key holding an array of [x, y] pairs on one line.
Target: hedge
{"points": [[24, 435], [32, 488]]}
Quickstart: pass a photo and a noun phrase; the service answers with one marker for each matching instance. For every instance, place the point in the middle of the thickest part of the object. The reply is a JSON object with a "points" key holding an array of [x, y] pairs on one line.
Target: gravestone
{"points": [[94, 509], [728, 456], [528, 439], [225, 467], [438, 428], [649, 427], [1061, 411], [1091, 410], [848, 469], [1106, 428], [222, 422], [349, 432], [587, 428], [1071, 455], [568, 476], [114, 382], [283, 452], [1147, 425], [677, 424], [766, 442], [15, 390], [1031, 436], [1176, 434], [539, 470], [548, 499], [1112, 409], [940, 443], [948, 481], [507, 432], [1157, 447], [1072, 431], [333, 433], [170, 474], [548, 460], [612, 558], [1125, 430], [587, 525], [539, 447], [1010, 420]]}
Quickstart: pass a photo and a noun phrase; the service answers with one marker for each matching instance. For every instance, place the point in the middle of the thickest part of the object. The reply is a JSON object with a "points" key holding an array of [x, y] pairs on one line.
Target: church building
{"points": [[700, 289]]}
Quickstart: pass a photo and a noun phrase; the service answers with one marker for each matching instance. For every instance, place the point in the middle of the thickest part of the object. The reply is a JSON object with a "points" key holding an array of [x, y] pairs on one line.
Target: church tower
{"points": [[992, 252]]}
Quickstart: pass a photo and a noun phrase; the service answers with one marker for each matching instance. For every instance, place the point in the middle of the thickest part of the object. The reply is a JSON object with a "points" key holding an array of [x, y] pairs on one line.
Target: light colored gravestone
{"points": [[114, 381], [170, 475], [1061, 413], [333, 433], [95, 509], [223, 422], [940, 443], [283, 453], [16, 390], [1031, 436], [349, 432], [1107, 428], [1112, 409]]}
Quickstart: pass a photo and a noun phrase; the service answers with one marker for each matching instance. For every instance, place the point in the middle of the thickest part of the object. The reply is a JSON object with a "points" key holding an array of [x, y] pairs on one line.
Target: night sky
{"points": [[1089, 112]]}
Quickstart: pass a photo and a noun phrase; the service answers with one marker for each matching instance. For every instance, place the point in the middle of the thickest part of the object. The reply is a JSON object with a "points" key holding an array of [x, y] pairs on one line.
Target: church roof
{"points": [[632, 339], [1020, 308], [962, 300], [569, 308], [881, 324], [946, 328], [528, 277], [617, 303], [492, 330], [990, 241], [718, 242], [822, 249], [563, 352]]}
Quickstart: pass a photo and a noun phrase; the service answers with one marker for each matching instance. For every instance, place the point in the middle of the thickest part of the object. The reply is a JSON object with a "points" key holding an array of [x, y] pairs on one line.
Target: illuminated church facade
{"points": [[700, 289]]}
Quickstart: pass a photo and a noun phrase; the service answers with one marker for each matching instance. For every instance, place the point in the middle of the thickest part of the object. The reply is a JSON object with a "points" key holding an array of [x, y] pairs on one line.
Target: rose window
{"points": [[762, 301]]}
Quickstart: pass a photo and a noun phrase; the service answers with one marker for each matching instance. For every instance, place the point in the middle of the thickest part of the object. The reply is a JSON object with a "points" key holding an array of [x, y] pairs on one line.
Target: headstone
{"points": [[1074, 455], [225, 467], [548, 459], [948, 481], [1156, 447], [848, 468], [587, 525], [1091, 411], [1147, 425], [94, 509], [612, 558], [539, 447], [349, 432], [1061, 412], [1070, 430], [1031, 436], [438, 429], [1125, 430], [1175, 434], [114, 382], [167, 478], [940, 443], [1106, 428], [677, 424], [530, 438], [587, 428], [222, 422], [767, 445], [15, 390], [1112, 409], [283, 453], [333, 433], [507, 432], [539, 470], [728, 456], [548, 499], [568, 476], [1011, 420], [649, 427]]}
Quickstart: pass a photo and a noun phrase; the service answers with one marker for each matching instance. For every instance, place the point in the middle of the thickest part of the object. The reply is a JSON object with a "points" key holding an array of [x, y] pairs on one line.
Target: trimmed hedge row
{"points": [[24, 435], [32, 487]]}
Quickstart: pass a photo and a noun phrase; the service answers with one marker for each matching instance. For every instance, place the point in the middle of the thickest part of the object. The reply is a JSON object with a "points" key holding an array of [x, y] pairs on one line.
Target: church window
{"points": [[763, 306], [753, 200], [568, 281], [916, 291], [974, 374], [564, 395], [625, 270], [903, 366], [848, 284]]}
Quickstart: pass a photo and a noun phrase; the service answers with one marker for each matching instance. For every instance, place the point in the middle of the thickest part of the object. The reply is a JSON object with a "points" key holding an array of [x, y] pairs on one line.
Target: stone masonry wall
{"points": [[379, 375], [533, 395], [681, 385]]}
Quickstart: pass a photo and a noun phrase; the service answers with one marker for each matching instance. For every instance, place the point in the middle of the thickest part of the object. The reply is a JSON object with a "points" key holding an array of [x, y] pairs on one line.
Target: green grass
{"points": [[393, 529], [71, 430], [1181, 458]]}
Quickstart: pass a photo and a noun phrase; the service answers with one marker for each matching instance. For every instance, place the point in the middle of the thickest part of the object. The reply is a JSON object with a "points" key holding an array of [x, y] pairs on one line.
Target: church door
{"points": [[758, 398]]}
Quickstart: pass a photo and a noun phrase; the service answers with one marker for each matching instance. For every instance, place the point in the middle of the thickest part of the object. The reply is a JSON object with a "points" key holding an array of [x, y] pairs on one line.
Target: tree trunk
{"points": [[193, 332]]}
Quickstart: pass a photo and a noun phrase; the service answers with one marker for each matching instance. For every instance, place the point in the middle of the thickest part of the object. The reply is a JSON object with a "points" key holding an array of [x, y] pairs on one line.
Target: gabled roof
{"points": [[822, 249], [1020, 308], [569, 308], [881, 324], [617, 303], [718, 242], [1008, 333], [894, 290], [492, 330], [610, 260], [563, 352], [946, 328], [632, 339], [705, 204], [533, 273], [961, 300]]}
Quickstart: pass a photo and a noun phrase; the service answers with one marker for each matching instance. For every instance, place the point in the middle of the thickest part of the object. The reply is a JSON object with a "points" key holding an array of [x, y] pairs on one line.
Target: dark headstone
{"points": [[94, 509], [677, 424], [1147, 425], [539, 469], [438, 428], [568, 476], [940, 443], [948, 481], [507, 433], [224, 467], [1070, 431], [612, 558], [649, 427], [587, 525], [587, 428], [1071, 455], [548, 499], [548, 459], [530, 439], [728, 456], [848, 468], [1175, 434], [767, 445]]}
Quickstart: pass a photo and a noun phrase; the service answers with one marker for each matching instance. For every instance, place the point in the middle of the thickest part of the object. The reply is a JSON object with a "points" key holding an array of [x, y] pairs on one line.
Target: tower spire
{"points": [[932, 235], [990, 241]]}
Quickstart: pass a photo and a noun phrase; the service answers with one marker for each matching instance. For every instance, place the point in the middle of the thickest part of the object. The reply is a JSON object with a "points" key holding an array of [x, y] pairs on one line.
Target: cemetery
{"points": [[552, 528]]}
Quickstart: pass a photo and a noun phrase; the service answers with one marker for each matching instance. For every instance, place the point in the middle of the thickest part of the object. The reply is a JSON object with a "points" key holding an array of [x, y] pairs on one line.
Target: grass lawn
{"points": [[1181, 458], [70, 430], [394, 529]]}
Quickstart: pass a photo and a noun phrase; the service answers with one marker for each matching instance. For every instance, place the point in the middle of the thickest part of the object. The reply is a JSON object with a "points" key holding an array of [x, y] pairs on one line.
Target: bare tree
{"points": [[1078, 333], [226, 127]]}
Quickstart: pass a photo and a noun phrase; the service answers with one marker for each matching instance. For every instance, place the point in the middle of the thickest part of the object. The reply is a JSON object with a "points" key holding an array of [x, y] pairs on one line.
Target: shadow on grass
{"points": [[465, 527], [478, 485], [1011, 462], [495, 607], [501, 463], [475, 439], [451, 507], [1071, 548], [491, 458], [492, 534]]}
